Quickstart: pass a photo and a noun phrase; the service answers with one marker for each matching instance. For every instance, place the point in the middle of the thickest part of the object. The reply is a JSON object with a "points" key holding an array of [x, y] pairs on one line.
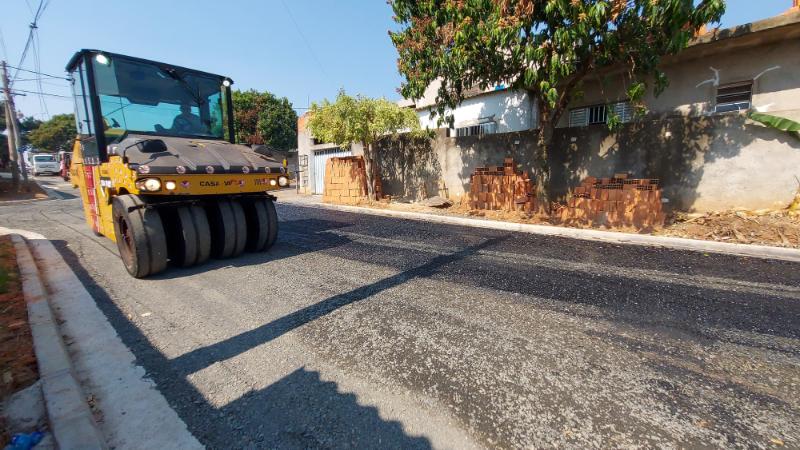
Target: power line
{"points": [[38, 64], [47, 81], [40, 73], [3, 45], [42, 93], [33, 27], [303, 37]]}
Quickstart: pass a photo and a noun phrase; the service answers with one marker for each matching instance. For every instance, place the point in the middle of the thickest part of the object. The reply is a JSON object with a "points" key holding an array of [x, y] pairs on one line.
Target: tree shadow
{"points": [[298, 411], [410, 168], [294, 411]]}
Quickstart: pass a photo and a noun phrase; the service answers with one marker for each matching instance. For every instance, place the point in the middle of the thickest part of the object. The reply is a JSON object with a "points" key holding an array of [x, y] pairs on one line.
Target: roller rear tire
{"points": [[189, 236], [140, 236], [228, 228], [262, 224], [272, 223]]}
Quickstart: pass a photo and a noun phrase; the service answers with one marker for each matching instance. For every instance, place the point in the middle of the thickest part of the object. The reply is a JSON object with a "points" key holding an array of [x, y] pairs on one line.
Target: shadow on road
{"points": [[298, 411], [203, 357]]}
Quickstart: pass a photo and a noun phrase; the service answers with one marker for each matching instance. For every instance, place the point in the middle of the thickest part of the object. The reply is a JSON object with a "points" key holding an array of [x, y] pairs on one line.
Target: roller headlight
{"points": [[272, 182], [149, 184], [283, 181], [170, 185]]}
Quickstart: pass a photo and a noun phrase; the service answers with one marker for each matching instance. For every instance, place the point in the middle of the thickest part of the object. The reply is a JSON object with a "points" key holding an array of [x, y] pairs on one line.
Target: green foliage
{"points": [[27, 125], [358, 119], [263, 118], [546, 47], [56, 134], [778, 123]]}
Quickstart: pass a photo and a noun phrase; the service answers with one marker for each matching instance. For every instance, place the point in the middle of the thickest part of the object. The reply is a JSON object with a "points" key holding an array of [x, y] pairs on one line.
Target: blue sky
{"points": [[300, 49]]}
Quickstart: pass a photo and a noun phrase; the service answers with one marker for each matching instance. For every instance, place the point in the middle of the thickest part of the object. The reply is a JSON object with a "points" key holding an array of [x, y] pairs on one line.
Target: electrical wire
{"points": [[39, 73], [3, 45], [49, 94], [38, 65], [305, 41], [33, 27]]}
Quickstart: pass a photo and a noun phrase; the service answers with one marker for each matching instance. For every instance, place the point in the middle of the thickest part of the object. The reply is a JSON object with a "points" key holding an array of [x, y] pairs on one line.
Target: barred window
{"points": [[734, 97], [597, 114], [477, 130], [578, 117]]}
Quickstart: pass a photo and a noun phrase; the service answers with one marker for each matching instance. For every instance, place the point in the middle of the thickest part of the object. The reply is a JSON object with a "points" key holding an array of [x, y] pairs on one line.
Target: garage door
{"points": [[320, 158]]}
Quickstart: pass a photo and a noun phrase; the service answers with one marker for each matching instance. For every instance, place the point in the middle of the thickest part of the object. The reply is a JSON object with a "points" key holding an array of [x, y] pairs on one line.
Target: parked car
{"points": [[44, 163]]}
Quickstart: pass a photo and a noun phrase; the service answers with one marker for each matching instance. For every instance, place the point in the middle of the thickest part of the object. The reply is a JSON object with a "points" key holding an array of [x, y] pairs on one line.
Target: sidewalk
{"points": [[753, 251], [98, 365]]}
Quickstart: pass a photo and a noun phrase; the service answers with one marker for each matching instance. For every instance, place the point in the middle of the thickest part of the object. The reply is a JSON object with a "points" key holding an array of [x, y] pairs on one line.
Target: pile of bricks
{"points": [[346, 181], [501, 188], [615, 202]]}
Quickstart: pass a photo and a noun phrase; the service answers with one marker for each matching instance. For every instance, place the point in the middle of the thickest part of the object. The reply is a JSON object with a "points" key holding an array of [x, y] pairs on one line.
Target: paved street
{"points": [[362, 331]]}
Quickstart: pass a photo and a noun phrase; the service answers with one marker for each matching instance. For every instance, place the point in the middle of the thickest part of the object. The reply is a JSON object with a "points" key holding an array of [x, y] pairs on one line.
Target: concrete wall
{"points": [[774, 69], [705, 163]]}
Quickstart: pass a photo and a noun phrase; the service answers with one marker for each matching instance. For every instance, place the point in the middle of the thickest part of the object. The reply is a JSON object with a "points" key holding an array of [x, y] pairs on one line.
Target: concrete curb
{"points": [[752, 251], [135, 414], [71, 420]]}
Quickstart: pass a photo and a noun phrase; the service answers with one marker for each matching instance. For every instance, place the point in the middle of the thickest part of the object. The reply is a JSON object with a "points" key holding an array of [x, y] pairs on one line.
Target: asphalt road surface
{"points": [[369, 332]]}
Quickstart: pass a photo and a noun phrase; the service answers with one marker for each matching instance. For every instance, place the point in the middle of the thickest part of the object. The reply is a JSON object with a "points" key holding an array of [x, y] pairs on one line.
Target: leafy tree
{"points": [[362, 120], [56, 134], [27, 125], [545, 47], [263, 118]]}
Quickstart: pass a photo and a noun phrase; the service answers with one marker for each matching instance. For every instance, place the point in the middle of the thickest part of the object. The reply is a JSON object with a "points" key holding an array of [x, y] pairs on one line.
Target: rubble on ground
{"points": [[436, 202], [765, 227]]}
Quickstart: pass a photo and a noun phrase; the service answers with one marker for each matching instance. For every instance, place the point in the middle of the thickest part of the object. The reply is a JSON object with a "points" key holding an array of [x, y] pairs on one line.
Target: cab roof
{"points": [[73, 62]]}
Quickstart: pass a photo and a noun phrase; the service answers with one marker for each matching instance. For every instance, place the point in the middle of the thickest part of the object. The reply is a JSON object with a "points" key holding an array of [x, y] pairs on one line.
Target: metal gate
{"points": [[320, 158]]}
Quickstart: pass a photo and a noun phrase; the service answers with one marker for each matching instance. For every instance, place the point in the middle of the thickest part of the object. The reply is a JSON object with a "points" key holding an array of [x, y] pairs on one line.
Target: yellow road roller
{"points": [[158, 168]]}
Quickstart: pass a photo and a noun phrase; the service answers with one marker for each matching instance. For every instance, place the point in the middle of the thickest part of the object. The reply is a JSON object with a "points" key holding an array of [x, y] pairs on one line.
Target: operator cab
{"points": [[119, 95]]}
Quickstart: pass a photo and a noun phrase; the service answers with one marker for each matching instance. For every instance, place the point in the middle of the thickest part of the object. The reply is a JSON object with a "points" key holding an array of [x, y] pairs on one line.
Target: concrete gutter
{"points": [[71, 420], [134, 413], [752, 251]]}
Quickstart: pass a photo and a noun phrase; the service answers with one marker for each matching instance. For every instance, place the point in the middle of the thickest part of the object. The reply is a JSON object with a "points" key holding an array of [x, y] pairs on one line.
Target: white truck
{"points": [[44, 163]]}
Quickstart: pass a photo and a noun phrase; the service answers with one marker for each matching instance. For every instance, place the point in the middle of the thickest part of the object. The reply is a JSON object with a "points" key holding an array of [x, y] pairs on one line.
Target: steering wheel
{"points": [[182, 124]]}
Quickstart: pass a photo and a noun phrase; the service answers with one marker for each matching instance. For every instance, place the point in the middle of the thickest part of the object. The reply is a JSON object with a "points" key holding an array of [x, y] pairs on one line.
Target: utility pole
{"points": [[13, 129]]}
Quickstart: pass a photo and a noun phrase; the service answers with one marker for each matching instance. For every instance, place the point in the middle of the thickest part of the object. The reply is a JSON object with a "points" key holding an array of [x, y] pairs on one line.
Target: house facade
{"points": [[695, 136]]}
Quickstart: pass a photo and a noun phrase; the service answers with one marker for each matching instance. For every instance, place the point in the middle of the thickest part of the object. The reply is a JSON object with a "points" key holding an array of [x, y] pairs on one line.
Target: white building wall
{"points": [[511, 111]]}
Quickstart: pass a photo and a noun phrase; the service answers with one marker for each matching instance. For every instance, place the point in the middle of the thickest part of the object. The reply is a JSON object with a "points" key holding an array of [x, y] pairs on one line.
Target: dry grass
{"points": [[26, 191], [17, 360]]}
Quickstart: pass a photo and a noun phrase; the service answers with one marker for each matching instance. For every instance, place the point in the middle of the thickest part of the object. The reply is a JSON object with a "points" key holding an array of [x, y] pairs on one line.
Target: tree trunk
{"points": [[369, 166], [541, 159], [543, 186]]}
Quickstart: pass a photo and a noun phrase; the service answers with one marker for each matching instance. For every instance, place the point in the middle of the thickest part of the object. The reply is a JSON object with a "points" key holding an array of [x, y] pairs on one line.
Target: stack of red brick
{"points": [[501, 188], [346, 181], [615, 202]]}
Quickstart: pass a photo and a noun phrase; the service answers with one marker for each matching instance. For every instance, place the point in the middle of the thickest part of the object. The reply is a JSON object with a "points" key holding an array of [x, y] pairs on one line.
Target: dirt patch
{"points": [[29, 190], [17, 360], [779, 228], [776, 228]]}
